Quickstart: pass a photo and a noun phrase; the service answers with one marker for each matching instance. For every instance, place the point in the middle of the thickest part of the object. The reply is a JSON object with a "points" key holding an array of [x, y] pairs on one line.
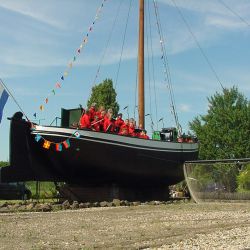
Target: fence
{"points": [[218, 180]]}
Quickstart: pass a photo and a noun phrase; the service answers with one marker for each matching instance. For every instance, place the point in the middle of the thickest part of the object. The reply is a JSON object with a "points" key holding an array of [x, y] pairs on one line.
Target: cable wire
{"points": [[198, 44]]}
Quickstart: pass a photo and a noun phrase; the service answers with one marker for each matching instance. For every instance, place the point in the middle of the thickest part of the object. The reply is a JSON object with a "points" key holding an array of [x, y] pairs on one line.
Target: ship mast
{"points": [[141, 65]]}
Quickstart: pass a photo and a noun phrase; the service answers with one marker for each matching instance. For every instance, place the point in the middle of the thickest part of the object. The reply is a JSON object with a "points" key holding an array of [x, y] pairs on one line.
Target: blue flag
{"points": [[3, 99]]}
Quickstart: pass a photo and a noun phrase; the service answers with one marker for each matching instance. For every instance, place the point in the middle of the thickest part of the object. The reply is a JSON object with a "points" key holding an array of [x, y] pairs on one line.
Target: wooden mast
{"points": [[141, 65]]}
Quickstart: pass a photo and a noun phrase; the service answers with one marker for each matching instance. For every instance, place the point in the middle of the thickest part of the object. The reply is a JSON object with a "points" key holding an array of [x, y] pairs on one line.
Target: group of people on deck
{"points": [[102, 120]]}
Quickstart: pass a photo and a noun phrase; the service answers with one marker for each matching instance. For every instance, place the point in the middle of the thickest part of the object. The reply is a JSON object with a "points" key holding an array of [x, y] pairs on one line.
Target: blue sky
{"points": [[40, 38]]}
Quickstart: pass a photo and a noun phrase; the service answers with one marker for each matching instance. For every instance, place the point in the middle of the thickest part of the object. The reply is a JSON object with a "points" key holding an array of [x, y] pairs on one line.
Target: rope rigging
{"points": [[123, 42], [153, 66], [166, 67], [108, 42], [198, 44], [234, 12]]}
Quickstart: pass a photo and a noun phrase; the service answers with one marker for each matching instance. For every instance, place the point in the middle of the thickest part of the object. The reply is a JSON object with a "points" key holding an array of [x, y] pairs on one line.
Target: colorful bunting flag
{"points": [[58, 147], [66, 143], [58, 85], [38, 137], [46, 144], [77, 134]]}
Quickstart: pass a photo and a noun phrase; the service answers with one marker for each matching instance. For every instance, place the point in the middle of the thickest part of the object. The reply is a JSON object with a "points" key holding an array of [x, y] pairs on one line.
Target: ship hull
{"points": [[94, 158]]}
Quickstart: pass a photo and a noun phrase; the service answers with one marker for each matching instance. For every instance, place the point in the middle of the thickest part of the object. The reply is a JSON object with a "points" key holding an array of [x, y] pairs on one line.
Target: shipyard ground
{"points": [[171, 226]]}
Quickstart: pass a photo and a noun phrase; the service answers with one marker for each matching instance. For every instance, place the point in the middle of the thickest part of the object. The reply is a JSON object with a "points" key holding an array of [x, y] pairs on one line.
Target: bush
{"points": [[243, 180]]}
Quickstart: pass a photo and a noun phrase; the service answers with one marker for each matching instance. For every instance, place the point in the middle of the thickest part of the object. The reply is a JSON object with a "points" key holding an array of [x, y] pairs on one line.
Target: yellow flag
{"points": [[46, 144]]}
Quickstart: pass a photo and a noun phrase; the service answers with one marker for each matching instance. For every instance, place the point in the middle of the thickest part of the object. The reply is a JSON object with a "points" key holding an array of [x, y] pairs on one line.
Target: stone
{"points": [[96, 204], [66, 204], [30, 206], [75, 205], [104, 204], [116, 202], [136, 203], [125, 203]]}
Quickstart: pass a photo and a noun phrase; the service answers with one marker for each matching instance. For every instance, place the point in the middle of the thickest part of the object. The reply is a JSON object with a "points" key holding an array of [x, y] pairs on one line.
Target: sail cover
{"points": [[3, 99]]}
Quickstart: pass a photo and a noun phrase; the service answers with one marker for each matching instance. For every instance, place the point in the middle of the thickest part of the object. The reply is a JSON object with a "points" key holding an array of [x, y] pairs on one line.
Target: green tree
{"points": [[104, 94], [224, 131], [4, 163]]}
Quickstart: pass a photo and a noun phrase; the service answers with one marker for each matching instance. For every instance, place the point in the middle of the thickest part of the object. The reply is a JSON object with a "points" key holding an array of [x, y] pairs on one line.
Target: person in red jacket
{"points": [[92, 112], [100, 111], [118, 123], [124, 128], [108, 125], [143, 135], [131, 128], [85, 120], [95, 125]]}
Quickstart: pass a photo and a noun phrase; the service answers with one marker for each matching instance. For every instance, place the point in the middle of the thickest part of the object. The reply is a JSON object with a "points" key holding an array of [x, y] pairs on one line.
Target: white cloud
{"points": [[185, 108]]}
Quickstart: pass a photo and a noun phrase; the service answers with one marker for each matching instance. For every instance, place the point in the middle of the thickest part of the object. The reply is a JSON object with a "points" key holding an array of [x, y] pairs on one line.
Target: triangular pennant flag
{"points": [[46, 144], [58, 85], [80, 46], [74, 58], [79, 51], [66, 143], [58, 147], [53, 91], [34, 115], [162, 57], [41, 108], [46, 100], [62, 77], [77, 134], [65, 73], [70, 65], [38, 137]]}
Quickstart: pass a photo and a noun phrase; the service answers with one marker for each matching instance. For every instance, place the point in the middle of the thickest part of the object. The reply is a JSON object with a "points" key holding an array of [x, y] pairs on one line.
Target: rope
{"points": [[152, 62], [198, 45], [14, 99], [108, 42], [148, 64], [124, 36], [166, 67], [235, 13]]}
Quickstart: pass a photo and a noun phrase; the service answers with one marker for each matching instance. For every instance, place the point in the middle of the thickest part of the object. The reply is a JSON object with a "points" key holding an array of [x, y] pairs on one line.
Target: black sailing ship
{"points": [[98, 158]]}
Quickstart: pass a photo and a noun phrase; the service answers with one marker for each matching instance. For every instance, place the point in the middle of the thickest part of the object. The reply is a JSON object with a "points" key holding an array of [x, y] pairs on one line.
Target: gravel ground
{"points": [[172, 226]]}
